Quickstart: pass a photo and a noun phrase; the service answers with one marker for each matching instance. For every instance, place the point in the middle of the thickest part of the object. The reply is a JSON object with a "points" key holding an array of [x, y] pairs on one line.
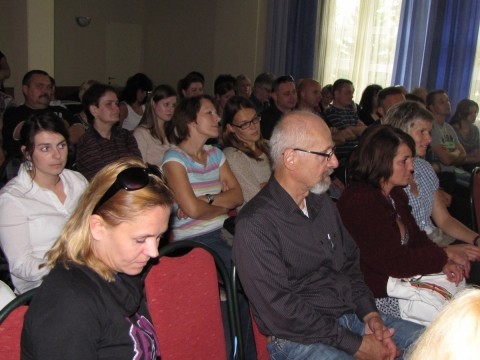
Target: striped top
{"points": [[204, 179]]}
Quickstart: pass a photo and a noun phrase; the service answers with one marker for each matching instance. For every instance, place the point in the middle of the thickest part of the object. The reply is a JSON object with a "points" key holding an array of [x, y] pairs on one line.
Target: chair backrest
{"points": [[260, 339], [260, 342], [11, 325], [475, 197], [183, 299]]}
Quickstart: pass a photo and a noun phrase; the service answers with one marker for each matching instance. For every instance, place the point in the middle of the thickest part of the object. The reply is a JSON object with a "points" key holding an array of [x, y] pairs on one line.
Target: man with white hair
{"points": [[298, 265]]}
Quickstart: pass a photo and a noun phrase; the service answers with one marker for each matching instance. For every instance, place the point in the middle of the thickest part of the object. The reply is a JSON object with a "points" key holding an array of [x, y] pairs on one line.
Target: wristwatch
{"points": [[475, 241], [210, 198]]}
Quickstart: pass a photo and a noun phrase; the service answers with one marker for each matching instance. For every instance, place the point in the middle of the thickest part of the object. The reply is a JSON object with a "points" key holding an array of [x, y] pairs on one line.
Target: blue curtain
{"points": [[292, 30], [414, 44], [436, 45]]}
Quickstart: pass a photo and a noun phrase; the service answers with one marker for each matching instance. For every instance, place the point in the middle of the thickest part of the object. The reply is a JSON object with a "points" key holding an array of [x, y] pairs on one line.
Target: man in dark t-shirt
{"points": [[37, 90]]}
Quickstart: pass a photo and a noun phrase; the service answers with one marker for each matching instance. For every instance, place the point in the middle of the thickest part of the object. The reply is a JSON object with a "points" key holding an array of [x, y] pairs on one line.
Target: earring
{"points": [[28, 165]]}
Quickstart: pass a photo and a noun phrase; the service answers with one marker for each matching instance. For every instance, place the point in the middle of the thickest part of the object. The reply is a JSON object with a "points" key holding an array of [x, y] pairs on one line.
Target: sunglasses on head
{"points": [[131, 179]]}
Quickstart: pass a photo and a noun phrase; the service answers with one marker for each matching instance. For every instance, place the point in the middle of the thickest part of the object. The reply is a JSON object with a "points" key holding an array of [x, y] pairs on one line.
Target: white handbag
{"points": [[421, 298]]}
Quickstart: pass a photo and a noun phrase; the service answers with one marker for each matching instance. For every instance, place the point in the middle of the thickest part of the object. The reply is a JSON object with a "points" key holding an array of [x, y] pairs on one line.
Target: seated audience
{"points": [[92, 304], [150, 133], [375, 211], [133, 100], [388, 97], [447, 150], [327, 98], [421, 93], [36, 204], [245, 150], [224, 89], [454, 333], [243, 86], [4, 70], [368, 112], [299, 266], [342, 117], [262, 90], [204, 186], [423, 189], [104, 141], [284, 99], [81, 117], [424, 195], [463, 122], [345, 125], [191, 85], [309, 95], [37, 89]]}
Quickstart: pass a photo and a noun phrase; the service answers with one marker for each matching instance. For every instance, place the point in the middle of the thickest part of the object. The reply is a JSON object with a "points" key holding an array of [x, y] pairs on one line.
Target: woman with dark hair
{"points": [[204, 186], [150, 133], [245, 149], [375, 210], [133, 98], [38, 201], [104, 141], [368, 104], [92, 304], [191, 85], [223, 92], [463, 122]]}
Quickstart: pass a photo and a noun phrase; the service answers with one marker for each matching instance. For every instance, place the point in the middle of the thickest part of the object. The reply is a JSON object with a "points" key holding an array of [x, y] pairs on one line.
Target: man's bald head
{"points": [[309, 94], [297, 129]]}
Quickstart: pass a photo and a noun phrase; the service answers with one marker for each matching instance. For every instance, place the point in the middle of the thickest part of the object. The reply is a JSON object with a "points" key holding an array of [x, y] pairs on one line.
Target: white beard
{"points": [[323, 185]]}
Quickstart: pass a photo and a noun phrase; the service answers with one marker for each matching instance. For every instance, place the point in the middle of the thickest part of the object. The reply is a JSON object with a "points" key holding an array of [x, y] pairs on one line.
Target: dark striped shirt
{"points": [[342, 119], [300, 273], [95, 151]]}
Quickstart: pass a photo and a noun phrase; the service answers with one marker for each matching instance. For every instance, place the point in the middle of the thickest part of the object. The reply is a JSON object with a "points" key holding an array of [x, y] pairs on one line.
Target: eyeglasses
{"points": [[131, 179], [327, 155], [245, 125]]}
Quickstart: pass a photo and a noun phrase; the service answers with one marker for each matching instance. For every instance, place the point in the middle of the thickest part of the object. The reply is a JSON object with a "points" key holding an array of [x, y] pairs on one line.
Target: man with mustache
{"points": [[299, 266], [37, 89]]}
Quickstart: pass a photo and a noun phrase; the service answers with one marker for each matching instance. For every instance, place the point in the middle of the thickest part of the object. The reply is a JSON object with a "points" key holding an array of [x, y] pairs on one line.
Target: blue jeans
{"points": [[405, 334]]}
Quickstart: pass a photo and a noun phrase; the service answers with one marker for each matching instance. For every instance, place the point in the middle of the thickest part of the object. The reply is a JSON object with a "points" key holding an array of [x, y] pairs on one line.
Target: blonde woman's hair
{"points": [[75, 243], [454, 334]]}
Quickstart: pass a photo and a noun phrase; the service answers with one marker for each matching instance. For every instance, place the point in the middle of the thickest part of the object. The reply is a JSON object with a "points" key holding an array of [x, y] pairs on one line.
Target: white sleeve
{"points": [[15, 241]]}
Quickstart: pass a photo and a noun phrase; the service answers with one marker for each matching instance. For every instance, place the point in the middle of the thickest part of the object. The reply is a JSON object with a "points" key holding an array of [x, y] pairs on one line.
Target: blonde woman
{"points": [[454, 334], [92, 305]]}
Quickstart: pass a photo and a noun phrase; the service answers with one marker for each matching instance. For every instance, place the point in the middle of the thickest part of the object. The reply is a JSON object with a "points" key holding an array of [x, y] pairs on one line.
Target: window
{"points": [[475, 84], [357, 42]]}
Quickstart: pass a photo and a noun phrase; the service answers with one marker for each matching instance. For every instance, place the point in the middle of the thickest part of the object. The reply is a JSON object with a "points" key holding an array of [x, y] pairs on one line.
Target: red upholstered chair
{"points": [[260, 339], [475, 198], [11, 324], [182, 293], [260, 342]]}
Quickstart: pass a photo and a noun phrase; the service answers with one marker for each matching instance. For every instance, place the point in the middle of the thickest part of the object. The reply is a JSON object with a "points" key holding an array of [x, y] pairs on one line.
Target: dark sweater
{"points": [[371, 220], [76, 314], [94, 151]]}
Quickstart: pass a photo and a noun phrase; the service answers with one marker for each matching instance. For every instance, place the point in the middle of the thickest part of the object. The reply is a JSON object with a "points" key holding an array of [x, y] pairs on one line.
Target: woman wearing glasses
{"points": [[91, 305], [245, 149], [375, 210], [35, 205], [204, 186]]}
